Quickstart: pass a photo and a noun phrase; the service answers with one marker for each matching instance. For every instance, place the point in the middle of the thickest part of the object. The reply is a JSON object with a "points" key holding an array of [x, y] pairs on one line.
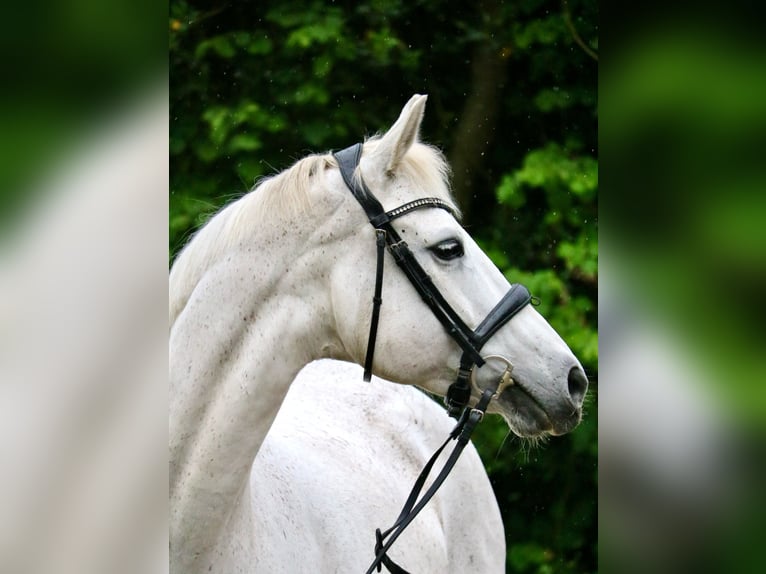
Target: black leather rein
{"points": [[470, 340]]}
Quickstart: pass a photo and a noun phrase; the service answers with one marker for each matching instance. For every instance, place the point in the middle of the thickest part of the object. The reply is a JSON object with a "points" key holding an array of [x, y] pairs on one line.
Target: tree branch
{"points": [[568, 20]]}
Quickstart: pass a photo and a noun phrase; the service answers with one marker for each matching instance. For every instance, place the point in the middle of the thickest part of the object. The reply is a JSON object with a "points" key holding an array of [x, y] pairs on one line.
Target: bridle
{"points": [[470, 340]]}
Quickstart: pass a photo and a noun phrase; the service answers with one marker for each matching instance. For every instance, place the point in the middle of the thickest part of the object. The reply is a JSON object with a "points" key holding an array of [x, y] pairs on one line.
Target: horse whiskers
{"points": [[502, 444], [587, 401], [529, 443], [526, 446]]}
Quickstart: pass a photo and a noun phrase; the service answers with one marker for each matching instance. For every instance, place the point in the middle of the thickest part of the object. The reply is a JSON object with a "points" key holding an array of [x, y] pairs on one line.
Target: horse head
{"points": [[540, 383]]}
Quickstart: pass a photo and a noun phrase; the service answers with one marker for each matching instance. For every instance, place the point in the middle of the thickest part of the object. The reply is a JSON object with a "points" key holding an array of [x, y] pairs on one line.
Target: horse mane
{"points": [[284, 194]]}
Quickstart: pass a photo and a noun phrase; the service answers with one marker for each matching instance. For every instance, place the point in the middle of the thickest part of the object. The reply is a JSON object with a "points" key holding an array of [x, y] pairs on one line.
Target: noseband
{"points": [[470, 340]]}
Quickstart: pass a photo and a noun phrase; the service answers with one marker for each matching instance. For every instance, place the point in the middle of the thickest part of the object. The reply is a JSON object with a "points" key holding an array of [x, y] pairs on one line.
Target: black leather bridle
{"points": [[470, 341]]}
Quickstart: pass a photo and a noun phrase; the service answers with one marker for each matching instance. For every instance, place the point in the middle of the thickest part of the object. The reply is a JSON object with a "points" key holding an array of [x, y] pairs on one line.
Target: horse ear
{"points": [[400, 137]]}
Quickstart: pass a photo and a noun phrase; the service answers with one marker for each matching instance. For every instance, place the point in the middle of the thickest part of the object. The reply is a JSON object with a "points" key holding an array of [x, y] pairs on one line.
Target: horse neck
{"points": [[249, 325]]}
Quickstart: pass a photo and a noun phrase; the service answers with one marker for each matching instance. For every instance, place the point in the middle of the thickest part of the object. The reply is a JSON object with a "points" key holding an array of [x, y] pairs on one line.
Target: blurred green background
{"points": [[69, 67], [512, 102], [682, 119], [682, 109], [683, 113]]}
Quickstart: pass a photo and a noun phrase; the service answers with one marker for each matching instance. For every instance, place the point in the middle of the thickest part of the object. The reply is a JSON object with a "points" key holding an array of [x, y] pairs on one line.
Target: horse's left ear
{"points": [[397, 140]]}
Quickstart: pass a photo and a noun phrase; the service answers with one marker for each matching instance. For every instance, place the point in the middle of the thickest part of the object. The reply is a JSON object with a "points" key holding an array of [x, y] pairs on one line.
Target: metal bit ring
{"points": [[505, 379]]}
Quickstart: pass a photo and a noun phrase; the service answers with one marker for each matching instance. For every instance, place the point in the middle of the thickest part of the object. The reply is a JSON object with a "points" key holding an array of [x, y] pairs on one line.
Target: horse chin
{"points": [[522, 413], [526, 417]]}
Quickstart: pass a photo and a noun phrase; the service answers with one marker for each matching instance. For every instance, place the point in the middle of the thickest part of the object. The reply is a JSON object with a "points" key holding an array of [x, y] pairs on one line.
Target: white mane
{"points": [[284, 195]]}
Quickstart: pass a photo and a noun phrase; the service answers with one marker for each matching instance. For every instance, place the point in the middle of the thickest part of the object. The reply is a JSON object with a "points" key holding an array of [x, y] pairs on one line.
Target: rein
{"points": [[470, 340]]}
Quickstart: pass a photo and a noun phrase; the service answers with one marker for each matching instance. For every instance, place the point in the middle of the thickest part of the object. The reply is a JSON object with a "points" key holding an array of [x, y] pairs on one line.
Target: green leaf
{"points": [[555, 170], [206, 151], [580, 256], [382, 44], [509, 192], [247, 111], [220, 45], [322, 66], [540, 31], [219, 121], [321, 31], [523, 556], [244, 142], [259, 45], [551, 99]]}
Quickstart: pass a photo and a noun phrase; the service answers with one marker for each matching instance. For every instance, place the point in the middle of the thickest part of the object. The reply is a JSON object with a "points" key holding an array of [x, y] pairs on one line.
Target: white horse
{"points": [[283, 277]]}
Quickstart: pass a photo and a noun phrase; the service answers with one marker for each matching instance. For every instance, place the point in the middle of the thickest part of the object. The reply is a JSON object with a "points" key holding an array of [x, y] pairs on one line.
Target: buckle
{"points": [[479, 412]]}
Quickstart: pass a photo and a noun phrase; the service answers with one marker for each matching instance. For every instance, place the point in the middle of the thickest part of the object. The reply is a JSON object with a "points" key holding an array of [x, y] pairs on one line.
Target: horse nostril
{"points": [[578, 385]]}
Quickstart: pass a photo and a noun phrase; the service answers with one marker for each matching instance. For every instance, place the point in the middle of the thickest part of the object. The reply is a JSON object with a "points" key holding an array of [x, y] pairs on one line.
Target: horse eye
{"points": [[449, 249]]}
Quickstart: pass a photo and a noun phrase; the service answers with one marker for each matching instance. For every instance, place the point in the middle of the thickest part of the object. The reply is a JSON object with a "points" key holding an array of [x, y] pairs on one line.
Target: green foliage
{"points": [[555, 171], [567, 183], [255, 86], [542, 31]]}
